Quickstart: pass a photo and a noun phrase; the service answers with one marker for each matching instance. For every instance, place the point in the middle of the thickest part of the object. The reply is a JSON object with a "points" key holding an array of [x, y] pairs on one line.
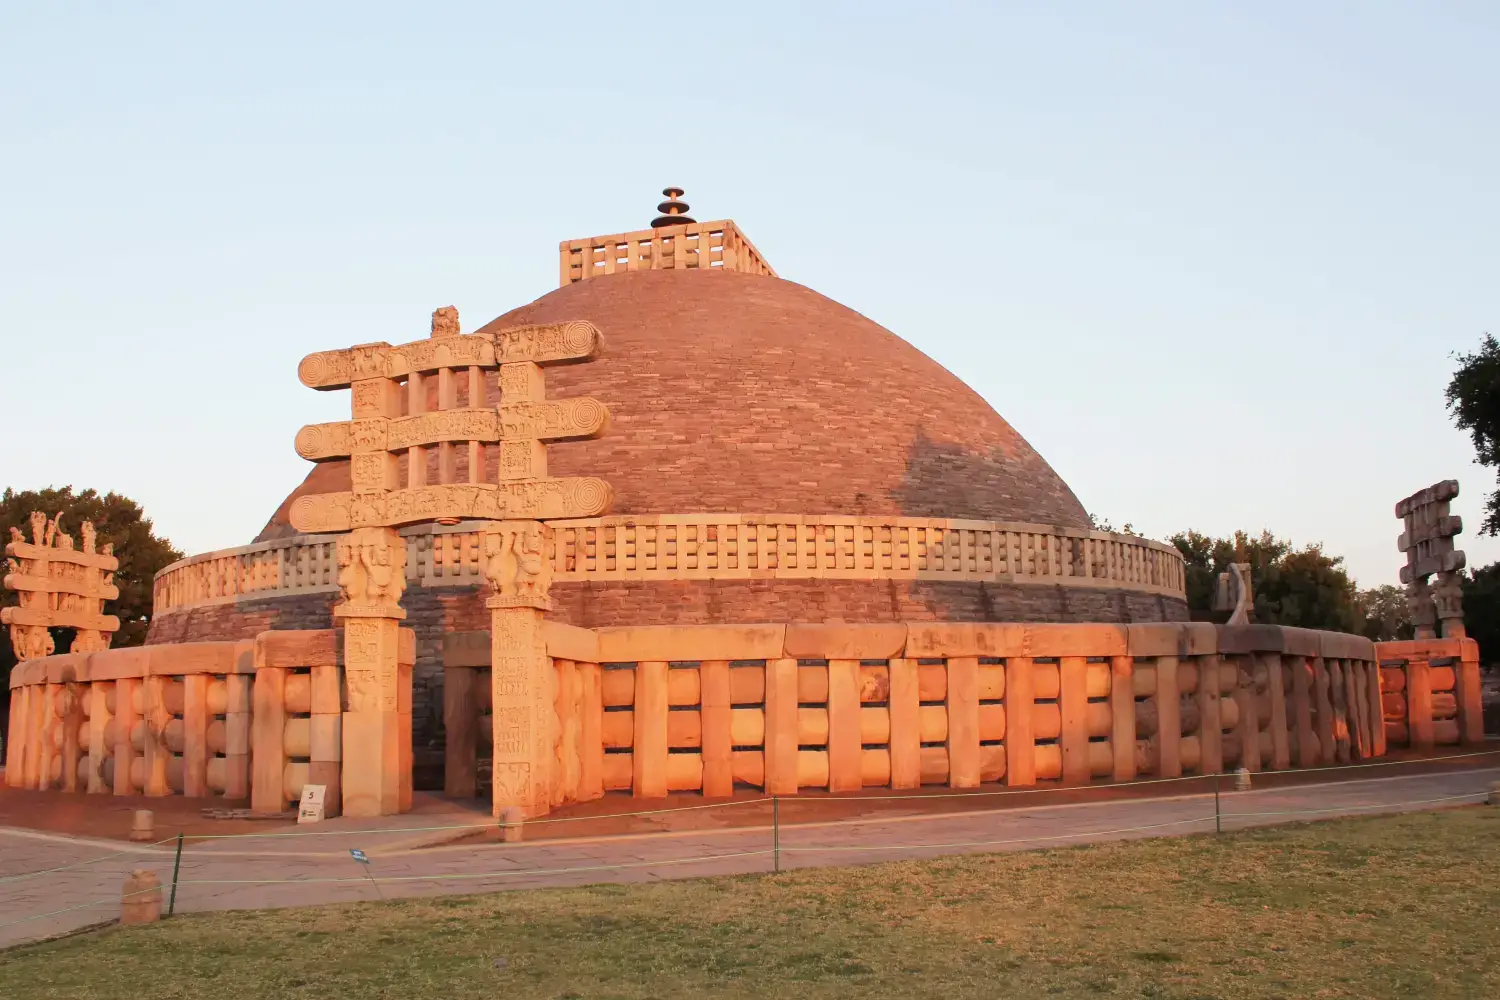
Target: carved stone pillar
{"points": [[1448, 598], [1423, 613], [518, 565], [377, 722]]}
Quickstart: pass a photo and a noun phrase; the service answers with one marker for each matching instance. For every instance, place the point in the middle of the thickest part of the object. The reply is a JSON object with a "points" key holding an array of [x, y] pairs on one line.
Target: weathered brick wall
{"points": [[739, 392]]}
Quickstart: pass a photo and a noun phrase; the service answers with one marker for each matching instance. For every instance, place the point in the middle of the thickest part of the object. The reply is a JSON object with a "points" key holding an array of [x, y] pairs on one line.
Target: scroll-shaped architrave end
{"points": [[321, 442], [337, 369], [548, 343], [554, 419], [529, 499]]}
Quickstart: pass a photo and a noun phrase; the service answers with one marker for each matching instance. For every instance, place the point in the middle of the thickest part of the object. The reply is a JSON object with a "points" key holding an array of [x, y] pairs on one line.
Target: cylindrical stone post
{"points": [[140, 900]]}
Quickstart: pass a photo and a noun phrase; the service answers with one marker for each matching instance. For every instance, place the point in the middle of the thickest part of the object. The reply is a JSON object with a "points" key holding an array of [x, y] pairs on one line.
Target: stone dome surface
{"points": [[745, 393]]}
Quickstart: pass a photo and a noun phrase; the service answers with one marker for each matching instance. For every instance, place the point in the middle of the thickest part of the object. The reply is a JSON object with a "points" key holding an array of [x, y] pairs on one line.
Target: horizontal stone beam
{"points": [[548, 420], [55, 585], [60, 618], [98, 560], [526, 499], [545, 344], [1436, 493]]}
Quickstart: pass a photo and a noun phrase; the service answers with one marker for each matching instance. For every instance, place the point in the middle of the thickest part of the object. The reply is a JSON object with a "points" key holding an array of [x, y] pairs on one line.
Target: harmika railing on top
{"points": [[699, 244], [712, 546]]}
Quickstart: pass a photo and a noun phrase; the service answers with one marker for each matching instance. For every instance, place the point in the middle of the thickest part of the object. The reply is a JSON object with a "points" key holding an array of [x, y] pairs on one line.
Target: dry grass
{"points": [[1390, 907]]}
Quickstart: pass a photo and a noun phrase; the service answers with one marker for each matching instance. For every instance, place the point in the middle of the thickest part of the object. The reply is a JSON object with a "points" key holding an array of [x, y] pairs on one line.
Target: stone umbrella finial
{"points": [[673, 210]]}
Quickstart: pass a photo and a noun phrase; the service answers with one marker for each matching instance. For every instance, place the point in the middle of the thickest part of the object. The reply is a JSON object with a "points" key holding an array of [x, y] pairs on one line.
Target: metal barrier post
{"points": [[176, 868], [1218, 822], [776, 831]]}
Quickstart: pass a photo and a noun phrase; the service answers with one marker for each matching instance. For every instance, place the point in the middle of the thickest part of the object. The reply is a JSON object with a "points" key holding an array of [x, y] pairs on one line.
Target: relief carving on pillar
{"points": [[518, 564], [372, 573]]}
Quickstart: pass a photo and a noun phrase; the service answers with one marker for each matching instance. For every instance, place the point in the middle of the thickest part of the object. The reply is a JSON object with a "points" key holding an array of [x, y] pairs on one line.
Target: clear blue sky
{"points": [[1212, 259]]}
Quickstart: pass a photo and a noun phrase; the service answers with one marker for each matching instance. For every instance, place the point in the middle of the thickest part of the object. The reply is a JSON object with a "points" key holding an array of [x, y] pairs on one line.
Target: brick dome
{"points": [[748, 393]]}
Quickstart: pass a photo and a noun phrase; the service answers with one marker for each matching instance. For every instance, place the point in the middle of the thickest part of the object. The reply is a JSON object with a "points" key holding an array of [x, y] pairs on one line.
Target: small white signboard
{"points": [[311, 810]]}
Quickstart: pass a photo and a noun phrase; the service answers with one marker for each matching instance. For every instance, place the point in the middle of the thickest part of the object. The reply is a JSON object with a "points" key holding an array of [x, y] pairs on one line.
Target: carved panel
{"points": [[582, 417], [528, 499], [578, 340], [443, 425]]}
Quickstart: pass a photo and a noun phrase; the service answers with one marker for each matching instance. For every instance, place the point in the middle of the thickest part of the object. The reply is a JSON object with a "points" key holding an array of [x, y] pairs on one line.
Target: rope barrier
{"points": [[82, 864], [842, 797], [996, 843], [703, 859], [81, 906], [510, 873], [491, 825], [839, 797], [1349, 809]]}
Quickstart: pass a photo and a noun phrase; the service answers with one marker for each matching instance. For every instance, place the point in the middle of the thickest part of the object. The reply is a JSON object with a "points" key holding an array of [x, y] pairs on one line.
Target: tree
{"points": [[1102, 524], [1482, 610], [1473, 397], [1386, 614], [1303, 587], [117, 519]]}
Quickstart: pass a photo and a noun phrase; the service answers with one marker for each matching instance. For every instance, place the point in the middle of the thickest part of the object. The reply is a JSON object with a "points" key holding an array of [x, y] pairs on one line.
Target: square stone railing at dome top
{"points": [[718, 245], [709, 547]]}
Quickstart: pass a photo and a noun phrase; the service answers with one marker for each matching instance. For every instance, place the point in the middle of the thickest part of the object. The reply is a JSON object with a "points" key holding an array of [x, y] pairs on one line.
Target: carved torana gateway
{"points": [[59, 587], [418, 452], [1428, 544]]}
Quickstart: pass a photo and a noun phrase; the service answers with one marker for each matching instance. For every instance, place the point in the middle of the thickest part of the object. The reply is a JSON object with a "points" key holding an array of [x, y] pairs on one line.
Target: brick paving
{"points": [[275, 871]]}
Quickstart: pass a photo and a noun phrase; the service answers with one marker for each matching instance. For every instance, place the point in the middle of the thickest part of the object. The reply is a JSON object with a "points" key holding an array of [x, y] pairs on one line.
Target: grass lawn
{"points": [[1390, 907]]}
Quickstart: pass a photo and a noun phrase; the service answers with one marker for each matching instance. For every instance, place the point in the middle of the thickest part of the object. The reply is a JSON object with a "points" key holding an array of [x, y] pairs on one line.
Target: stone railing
{"points": [[1431, 692], [711, 547], [657, 710], [148, 720], [661, 709], [698, 244], [253, 719]]}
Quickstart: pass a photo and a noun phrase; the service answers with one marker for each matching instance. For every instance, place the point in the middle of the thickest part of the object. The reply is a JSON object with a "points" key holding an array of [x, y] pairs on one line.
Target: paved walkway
{"points": [[274, 871]]}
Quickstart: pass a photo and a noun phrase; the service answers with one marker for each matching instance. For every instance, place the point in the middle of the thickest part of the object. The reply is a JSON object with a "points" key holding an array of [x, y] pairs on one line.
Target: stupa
{"points": [[681, 526], [774, 455]]}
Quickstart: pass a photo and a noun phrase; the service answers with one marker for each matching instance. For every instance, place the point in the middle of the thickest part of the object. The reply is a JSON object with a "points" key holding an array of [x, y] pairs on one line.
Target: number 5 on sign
{"points": [[311, 810]]}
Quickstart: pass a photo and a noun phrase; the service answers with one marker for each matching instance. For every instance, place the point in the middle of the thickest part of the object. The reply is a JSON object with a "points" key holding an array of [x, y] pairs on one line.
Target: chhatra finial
{"points": [[673, 211]]}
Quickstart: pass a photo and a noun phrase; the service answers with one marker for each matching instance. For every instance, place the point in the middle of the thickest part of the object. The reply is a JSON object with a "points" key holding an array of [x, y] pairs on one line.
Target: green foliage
{"points": [[1473, 397], [1303, 587], [117, 519], [1386, 613], [1482, 610], [1102, 524]]}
